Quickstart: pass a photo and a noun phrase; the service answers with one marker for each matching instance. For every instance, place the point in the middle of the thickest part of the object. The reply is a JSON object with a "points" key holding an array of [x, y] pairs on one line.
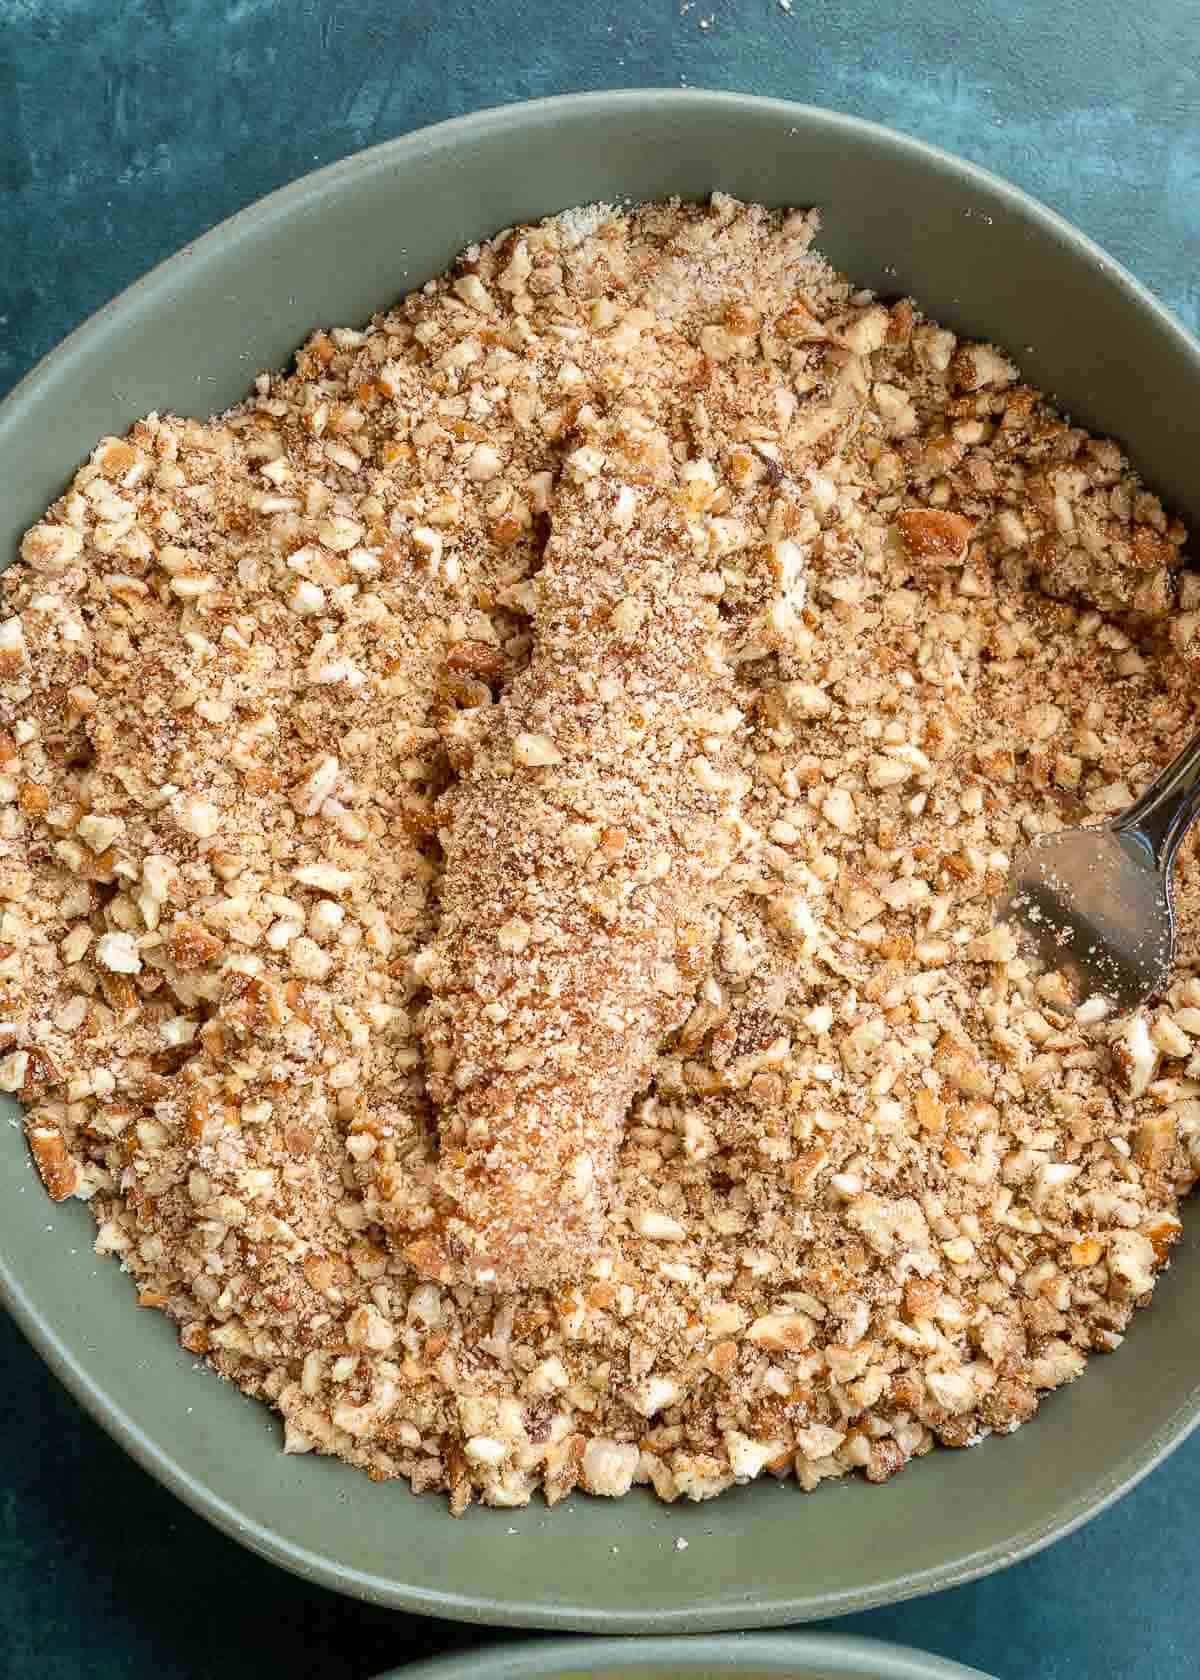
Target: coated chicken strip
{"points": [[583, 843]]}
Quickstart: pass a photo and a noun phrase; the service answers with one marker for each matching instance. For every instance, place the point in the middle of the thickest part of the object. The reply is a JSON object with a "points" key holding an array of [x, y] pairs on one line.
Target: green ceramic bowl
{"points": [[754, 1656], [330, 249]]}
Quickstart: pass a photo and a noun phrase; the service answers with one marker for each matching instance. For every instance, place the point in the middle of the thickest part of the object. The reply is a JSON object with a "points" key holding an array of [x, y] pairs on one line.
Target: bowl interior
{"points": [[190, 337]]}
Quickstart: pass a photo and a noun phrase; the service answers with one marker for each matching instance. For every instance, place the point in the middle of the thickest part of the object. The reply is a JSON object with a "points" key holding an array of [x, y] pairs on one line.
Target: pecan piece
{"points": [[60, 1174], [478, 659], [933, 536], [192, 946]]}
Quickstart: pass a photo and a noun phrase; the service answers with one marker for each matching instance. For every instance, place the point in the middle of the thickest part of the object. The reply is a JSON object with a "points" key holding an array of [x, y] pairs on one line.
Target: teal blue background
{"points": [[128, 128]]}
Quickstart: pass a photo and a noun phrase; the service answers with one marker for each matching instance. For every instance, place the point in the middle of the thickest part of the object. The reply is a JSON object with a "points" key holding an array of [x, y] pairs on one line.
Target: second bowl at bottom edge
{"points": [[752, 1656]]}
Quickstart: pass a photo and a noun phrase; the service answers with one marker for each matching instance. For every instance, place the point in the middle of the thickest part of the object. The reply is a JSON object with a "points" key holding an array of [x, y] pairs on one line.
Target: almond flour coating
{"points": [[281, 848]]}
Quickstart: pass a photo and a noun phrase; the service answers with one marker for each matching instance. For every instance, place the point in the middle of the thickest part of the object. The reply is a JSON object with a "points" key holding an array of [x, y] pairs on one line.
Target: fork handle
{"points": [[1164, 813]]}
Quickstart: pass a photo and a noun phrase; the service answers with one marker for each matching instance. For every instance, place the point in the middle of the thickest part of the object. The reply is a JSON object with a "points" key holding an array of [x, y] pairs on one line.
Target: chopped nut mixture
{"points": [[499, 836]]}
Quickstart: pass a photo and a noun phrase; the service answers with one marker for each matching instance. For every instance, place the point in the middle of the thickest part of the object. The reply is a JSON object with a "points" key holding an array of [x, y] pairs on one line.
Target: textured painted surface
{"points": [[126, 130]]}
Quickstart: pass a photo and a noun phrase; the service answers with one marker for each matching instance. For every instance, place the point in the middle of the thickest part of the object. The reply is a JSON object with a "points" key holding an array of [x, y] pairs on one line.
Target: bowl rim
{"points": [[71, 1367], [771, 1653]]}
